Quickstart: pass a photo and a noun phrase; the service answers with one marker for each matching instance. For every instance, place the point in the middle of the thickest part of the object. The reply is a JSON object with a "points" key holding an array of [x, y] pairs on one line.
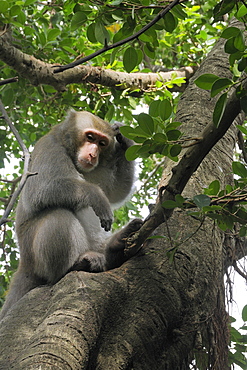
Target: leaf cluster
{"points": [[154, 132], [238, 343], [227, 207]]}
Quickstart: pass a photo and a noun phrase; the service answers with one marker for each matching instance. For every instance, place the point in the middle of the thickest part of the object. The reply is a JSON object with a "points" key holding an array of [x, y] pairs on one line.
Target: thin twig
{"points": [[8, 80], [240, 272], [119, 43], [25, 175]]}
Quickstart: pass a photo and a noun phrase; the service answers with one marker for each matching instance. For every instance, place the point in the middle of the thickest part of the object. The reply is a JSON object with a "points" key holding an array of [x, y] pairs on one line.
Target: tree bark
{"points": [[39, 72], [158, 310]]}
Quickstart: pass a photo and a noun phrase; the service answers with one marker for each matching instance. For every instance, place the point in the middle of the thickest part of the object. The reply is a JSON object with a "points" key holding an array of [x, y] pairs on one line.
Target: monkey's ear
{"points": [[71, 113]]}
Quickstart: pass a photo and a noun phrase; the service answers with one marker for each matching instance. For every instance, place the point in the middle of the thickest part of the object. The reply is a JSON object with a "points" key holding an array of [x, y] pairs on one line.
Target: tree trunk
{"points": [[154, 312]]}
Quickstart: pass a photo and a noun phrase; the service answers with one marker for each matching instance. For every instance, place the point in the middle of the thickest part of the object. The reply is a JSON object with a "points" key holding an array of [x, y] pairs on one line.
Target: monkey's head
{"points": [[88, 139]]}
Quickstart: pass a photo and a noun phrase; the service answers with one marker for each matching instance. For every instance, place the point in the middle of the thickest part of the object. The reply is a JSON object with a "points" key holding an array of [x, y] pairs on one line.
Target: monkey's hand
{"points": [[123, 141], [90, 261], [104, 212], [93, 196]]}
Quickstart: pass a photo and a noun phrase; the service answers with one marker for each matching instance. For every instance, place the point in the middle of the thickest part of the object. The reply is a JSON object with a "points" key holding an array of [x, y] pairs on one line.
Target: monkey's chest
{"points": [[96, 235]]}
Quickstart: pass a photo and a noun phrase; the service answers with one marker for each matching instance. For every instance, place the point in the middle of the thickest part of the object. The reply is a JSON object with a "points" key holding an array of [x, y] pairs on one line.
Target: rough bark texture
{"points": [[39, 72], [151, 313]]}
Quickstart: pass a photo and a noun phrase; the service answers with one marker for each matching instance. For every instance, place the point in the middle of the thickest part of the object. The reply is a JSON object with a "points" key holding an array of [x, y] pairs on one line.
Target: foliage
{"points": [[239, 343], [60, 32]]}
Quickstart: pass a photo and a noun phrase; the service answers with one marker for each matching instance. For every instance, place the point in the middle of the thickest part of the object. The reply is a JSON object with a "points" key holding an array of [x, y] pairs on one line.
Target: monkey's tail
{"points": [[21, 283]]}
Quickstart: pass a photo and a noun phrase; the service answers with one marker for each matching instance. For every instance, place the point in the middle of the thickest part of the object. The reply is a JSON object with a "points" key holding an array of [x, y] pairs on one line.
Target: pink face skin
{"points": [[94, 142]]}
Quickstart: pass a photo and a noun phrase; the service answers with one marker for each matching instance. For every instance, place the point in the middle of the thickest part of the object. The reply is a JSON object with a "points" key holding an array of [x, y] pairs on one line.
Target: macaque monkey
{"points": [[65, 211]]}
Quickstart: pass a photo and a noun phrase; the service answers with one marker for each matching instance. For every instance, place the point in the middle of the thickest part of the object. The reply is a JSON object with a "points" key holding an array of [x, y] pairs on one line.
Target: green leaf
{"points": [[109, 113], [149, 50], [225, 7], [169, 204], [179, 200], [91, 33], [130, 59], [173, 135], [170, 22], [178, 12], [242, 63], [154, 108], [15, 10], [33, 137], [206, 81], [225, 222], [132, 152], [140, 132], [101, 33], [239, 169], [21, 18], [230, 47], [230, 32], [202, 200], [214, 188], [242, 129], [52, 34], [219, 109], [165, 109], [175, 150], [239, 42], [219, 85], [146, 123], [42, 38], [242, 11], [160, 138], [77, 20], [4, 6], [235, 57], [244, 313], [211, 209], [127, 131], [29, 2], [243, 231]]}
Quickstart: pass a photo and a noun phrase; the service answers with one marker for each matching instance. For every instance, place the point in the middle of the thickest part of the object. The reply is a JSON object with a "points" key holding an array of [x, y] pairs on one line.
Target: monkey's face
{"points": [[93, 143]]}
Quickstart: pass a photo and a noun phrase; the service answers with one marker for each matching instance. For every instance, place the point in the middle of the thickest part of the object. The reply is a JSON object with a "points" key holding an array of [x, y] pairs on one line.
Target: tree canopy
{"points": [[175, 74]]}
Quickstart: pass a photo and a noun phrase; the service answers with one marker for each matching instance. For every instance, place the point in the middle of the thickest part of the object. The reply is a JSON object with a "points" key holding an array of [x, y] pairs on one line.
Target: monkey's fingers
{"points": [[116, 126], [133, 226], [106, 224]]}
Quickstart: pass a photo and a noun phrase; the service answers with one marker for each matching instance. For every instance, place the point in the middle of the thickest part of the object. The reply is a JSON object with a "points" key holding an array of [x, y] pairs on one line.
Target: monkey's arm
{"points": [[124, 171], [59, 185]]}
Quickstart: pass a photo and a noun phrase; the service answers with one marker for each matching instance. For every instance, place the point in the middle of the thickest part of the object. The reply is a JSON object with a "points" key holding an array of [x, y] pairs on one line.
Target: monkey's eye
{"points": [[90, 137], [103, 143]]}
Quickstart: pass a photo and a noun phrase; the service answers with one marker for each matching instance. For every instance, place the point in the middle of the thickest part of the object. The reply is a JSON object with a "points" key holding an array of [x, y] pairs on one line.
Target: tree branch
{"points": [[8, 80], [26, 162], [182, 172], [39, 72], [121, 42]]}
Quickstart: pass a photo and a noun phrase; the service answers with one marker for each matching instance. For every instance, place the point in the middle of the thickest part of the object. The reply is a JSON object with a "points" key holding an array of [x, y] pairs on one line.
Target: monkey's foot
{"points": [[91, 262]]}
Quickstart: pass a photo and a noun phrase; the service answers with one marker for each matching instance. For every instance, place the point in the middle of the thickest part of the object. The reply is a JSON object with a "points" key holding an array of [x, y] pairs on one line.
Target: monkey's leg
{"points": [[90, 261], [114, 252], [59, 240], [21, 283]]}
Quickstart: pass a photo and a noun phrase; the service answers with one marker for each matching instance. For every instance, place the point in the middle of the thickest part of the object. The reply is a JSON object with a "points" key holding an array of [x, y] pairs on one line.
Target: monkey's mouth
{"points": [[86, 165]]}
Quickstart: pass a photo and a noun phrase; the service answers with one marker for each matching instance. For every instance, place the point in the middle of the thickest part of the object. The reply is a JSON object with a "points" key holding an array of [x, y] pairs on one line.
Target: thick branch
{"points": [[184, 170], [39, 72]]}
